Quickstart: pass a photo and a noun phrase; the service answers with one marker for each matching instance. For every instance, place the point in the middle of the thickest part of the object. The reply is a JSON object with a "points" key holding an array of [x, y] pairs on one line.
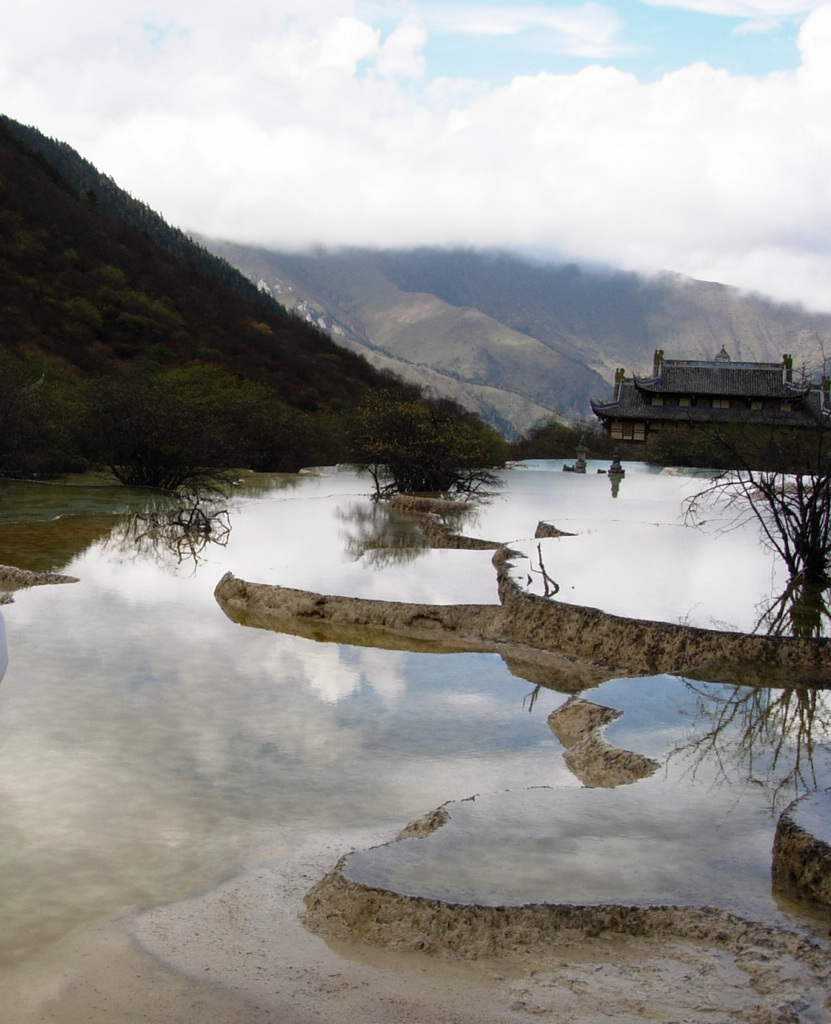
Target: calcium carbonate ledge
{"points": [[581, 643]]}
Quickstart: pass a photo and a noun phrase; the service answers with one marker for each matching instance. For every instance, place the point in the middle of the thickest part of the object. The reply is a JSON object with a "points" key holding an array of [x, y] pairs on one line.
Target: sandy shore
{"points": [[247, 937], [240, 955]]}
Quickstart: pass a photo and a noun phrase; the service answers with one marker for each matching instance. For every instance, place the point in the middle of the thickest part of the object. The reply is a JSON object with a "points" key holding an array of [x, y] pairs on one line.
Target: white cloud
{"points": [[587, 29], [399, 56], [293, 125], [385, 671], [754, 10], [758, 26], [501, 19], [302, 55]]}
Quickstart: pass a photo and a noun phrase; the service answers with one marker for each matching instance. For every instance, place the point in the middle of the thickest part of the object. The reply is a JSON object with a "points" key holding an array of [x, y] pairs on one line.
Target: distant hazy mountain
{"points": [[515, 339], [92, 278]]}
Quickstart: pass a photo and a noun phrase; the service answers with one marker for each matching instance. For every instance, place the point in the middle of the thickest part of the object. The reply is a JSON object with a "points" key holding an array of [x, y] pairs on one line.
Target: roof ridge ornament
{"points": [[657, 362]]}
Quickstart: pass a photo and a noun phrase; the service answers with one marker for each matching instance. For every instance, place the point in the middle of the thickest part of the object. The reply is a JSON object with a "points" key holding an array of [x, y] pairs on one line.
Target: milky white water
{"points": [[150, 747]]}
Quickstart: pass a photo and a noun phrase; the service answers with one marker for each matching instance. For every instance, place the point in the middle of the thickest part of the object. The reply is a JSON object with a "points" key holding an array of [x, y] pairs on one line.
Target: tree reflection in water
{"points": [[780, 739], [177, 532], [800, 610], [381, 536], [530, 699]]}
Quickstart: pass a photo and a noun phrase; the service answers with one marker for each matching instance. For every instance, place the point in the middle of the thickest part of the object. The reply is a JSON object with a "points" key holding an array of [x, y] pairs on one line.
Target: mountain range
{"points": [[91, 278], [518, 339]]}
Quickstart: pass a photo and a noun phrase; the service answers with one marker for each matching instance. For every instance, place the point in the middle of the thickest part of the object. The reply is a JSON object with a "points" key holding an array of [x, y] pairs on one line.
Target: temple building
{"points": [[696, 392]]}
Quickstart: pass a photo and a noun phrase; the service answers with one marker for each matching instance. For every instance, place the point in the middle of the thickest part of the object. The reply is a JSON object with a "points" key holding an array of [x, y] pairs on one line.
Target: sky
{"points": [[685, 135]]}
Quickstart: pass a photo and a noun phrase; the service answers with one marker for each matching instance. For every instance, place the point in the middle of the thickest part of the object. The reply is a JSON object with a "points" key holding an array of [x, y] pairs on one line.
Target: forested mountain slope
{"points": [[93, 280]]}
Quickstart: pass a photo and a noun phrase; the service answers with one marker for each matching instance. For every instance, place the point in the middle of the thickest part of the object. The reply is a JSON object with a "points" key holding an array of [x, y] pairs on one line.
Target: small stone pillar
{"points": [[616, 474], [580, 464]]}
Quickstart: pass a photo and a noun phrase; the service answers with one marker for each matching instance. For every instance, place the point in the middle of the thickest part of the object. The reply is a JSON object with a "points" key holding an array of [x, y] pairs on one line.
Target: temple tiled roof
{"points": [[750, 380]]}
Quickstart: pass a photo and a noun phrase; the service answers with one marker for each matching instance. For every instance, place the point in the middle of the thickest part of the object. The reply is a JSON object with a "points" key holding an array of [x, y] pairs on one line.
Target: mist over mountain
{"points": [[518, 339], [92, 278]]}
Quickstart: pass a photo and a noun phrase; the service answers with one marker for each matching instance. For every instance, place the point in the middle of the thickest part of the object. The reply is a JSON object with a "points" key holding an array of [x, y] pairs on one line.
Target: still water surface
{"points": [[150, 747]]}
